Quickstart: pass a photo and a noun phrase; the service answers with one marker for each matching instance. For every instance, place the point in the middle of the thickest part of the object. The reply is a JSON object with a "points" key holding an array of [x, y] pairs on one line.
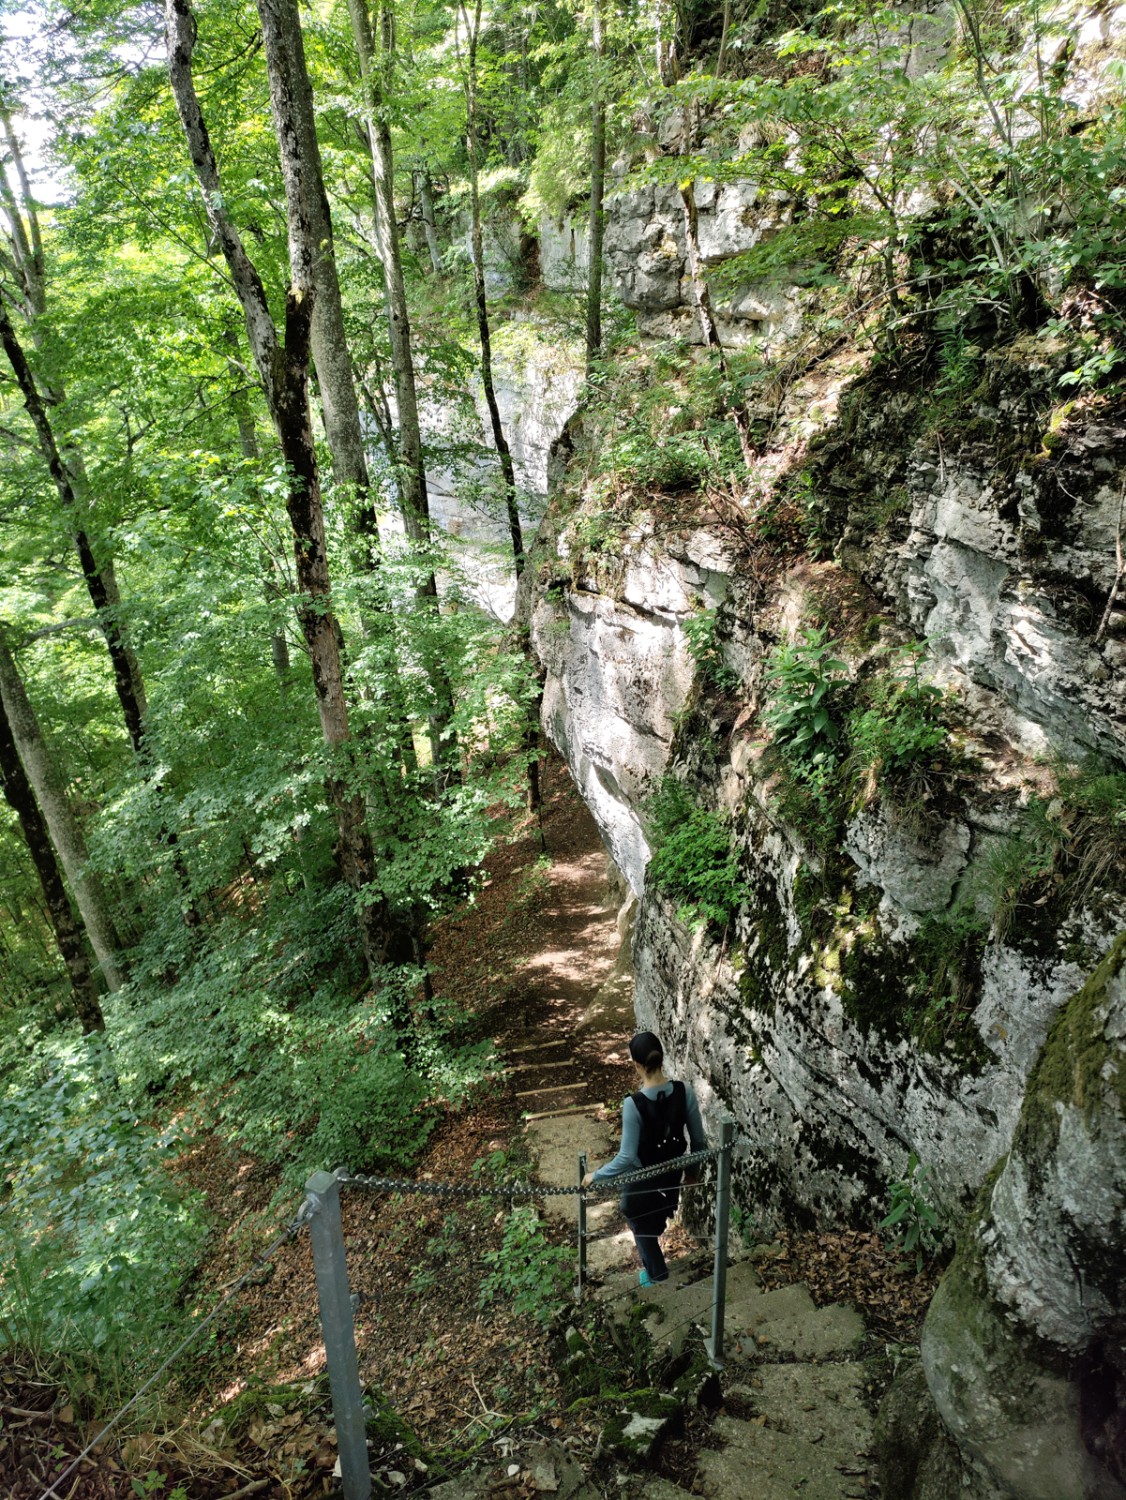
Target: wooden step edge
{"points": [[568, 1062], [531, 1046], [556, 1088], [550, 1114]]}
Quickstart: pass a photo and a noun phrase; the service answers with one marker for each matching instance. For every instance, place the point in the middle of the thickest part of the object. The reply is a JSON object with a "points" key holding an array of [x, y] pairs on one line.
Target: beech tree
{"points": [[597, 191], [62, 826], [282, 365], [471, 27], [376, 70]]}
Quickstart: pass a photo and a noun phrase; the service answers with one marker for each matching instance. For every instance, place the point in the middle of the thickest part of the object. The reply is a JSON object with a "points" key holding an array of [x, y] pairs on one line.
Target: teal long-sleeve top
{"points": [[627, 1159]]}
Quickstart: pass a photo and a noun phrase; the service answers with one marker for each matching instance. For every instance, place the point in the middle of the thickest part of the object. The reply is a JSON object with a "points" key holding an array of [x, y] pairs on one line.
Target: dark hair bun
{"points": [[646, 1049]]}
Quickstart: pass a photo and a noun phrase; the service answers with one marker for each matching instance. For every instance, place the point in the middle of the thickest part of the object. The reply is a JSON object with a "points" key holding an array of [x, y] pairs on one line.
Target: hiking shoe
{"points": [[646, 1280]]}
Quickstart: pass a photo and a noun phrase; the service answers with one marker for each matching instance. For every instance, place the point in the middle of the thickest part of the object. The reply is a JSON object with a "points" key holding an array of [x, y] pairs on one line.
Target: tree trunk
{"points": [[500, 442], [292, 101], [284, 374], [736, 409], [62, 826], [101, 583], [429, 224], [412, 468], [597, 189], [68, 933]]}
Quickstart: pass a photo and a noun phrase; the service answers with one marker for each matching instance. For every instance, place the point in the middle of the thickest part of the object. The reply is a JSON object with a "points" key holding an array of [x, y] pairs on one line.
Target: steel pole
{"points": [[582, 1229], [722, 1215], [327, 1233]]}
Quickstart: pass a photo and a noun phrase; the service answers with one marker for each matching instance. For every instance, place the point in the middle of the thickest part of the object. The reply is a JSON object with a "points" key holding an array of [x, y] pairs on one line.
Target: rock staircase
{"points": [[793, 1419], [792, 1422]]}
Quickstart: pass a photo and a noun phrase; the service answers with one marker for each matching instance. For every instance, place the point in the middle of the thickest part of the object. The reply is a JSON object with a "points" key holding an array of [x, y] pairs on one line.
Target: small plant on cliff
{"points": [[803, 711], [693, 860], [915, 1215], [701, 634], [897, 727]]}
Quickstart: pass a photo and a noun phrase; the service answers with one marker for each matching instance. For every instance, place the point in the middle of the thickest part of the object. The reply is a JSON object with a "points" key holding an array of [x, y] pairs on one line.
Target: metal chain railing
{"points": [[327, 1233], [522, 1189], [321, 1212]]}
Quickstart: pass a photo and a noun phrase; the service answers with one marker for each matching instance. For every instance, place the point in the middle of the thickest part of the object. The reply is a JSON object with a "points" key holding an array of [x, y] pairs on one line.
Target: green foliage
{"points": [[832, 755], [898, 722], [706, 651], [746, 1226], [693, 860], [803, 708], [277, 1057], [96, 1239], [528, 1272], [671, 429], [915, 1215], [1063, 850]]}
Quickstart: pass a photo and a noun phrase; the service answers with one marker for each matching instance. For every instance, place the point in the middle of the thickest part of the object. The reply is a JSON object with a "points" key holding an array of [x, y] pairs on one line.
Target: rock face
{"points": [[537, 378], [1024, 1346], [1007, 569], [646, 251], [802, 1020]]}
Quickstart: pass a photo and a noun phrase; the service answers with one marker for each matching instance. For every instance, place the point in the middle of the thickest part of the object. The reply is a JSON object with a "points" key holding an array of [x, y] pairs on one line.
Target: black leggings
{"points": [[648, 1213]]}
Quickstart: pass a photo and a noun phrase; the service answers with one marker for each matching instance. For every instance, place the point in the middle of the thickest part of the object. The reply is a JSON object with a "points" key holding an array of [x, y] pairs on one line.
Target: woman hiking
{"points": [[654, 1121]]}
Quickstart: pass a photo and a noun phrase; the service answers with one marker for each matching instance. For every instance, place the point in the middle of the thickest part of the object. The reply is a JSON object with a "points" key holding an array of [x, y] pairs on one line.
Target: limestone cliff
{"points": [[887, 982]]}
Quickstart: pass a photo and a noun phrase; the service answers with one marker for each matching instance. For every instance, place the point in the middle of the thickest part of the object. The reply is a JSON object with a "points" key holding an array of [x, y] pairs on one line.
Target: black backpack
{"points": [[663, 1124]]}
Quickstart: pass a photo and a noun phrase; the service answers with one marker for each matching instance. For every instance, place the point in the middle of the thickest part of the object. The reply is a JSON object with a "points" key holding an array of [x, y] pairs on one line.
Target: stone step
{"points": [[811, 1435]]}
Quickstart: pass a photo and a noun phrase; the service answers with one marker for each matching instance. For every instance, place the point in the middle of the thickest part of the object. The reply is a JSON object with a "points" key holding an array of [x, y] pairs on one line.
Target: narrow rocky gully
{"points": [[480, 1389], [542, 957]]}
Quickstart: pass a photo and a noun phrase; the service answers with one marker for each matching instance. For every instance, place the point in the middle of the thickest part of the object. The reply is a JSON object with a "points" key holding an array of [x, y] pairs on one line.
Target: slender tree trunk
{"points": [[721, 61], [412, 468], [292, 100], [100, 581], [429, 224], [284, 375], [61, 823], [500, 442], [736, 409], [597, 189], [68, 933]]}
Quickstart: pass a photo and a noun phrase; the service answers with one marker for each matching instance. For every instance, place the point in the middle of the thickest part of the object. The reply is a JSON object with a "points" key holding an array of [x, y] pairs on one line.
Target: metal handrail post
{"points": [[722, 1215], [582, 1229], [330, 1264]]}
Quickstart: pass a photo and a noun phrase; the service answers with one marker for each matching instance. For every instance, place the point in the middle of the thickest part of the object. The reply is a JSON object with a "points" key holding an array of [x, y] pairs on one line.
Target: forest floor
{"points": [[456, 1371]]}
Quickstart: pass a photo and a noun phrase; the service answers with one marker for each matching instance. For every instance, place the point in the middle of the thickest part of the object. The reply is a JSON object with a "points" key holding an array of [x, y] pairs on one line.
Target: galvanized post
{"points": [[582, 1229], [327, 1233], [722, 1213]]}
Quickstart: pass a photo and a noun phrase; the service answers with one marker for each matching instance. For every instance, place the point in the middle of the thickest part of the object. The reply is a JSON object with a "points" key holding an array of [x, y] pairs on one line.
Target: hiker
{"points": [[654, 1120]]}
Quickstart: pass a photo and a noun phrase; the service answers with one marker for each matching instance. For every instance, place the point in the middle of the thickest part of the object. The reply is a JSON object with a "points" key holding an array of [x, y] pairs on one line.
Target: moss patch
{"points": [[1076, 1064]]}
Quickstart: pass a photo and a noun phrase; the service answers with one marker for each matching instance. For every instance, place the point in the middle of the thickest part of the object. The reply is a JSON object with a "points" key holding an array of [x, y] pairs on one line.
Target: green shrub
{"points": [[693, 859], [803, 709], [897, 726], [701, 633], [528, 1272], [96, 1239], [915, 1215]]}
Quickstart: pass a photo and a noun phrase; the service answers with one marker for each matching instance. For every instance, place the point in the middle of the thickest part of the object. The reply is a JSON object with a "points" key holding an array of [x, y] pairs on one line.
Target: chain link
{"points": [[514, 1190]]}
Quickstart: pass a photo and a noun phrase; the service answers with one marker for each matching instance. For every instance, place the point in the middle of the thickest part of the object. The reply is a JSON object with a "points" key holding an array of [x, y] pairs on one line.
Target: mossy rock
{"points": [[635, 1434], [386, 1429]]}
